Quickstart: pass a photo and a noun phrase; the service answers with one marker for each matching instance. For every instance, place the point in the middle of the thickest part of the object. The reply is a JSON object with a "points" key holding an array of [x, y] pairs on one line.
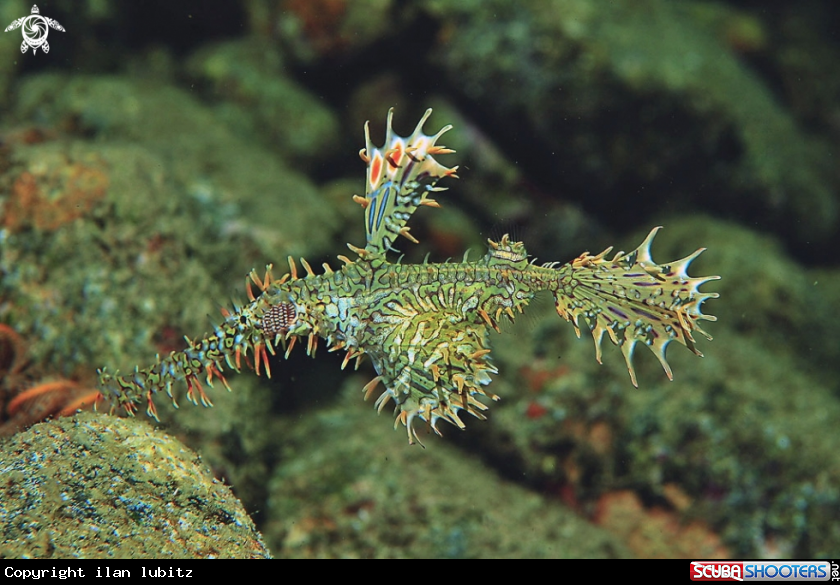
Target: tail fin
{"points": [[634, 299]]}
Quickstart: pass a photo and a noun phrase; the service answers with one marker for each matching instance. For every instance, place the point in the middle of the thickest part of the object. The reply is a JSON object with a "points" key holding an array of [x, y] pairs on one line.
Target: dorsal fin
{"points": [[400, 176]]}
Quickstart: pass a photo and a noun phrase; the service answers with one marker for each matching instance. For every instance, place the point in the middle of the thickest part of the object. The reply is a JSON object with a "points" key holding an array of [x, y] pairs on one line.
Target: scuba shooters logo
{"points": [[761, 570]]}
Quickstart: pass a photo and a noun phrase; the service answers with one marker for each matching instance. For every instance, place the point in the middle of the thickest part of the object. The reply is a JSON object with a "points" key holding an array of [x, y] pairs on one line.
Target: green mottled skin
{"points": [[425, 327]]}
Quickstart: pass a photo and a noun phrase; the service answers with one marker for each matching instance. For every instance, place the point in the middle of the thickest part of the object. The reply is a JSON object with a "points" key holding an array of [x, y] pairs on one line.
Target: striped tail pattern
{"points": [[633, 299]]}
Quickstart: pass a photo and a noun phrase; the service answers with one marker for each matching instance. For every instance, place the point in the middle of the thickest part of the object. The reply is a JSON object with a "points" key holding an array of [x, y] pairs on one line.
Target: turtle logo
{"points": [[35, 28]]}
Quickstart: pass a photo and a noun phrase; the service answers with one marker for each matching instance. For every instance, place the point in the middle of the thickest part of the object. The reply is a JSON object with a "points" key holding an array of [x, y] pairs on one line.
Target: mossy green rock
{"points": [[350, 486], [640, 94], [95, 486]]}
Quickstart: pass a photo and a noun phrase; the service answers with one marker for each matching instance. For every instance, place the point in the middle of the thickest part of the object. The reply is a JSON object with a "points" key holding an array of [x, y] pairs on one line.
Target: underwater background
{"points": [[161, 150]]}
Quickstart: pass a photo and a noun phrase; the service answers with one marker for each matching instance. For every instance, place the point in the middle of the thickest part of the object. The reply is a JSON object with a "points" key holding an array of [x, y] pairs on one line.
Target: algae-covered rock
{"points": [[637, 97], [96, 486], [102, 241], [350, 486], [257, 98], [202, 155], [107, 258], [316, 30], [99, 249]]}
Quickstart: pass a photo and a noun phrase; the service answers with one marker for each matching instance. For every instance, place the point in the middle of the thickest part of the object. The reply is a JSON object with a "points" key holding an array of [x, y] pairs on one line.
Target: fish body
{"points": [[426, 327]]}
